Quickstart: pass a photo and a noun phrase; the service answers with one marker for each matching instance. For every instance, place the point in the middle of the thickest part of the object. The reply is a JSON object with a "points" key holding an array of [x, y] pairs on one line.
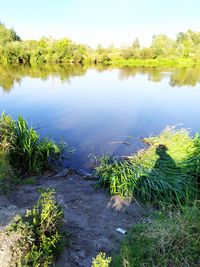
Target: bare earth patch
{"points": [[91, 216]]}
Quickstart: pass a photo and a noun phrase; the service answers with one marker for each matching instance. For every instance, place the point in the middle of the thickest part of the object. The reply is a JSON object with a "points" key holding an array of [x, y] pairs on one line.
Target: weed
{"points": [[38, 234], [101, 260]]}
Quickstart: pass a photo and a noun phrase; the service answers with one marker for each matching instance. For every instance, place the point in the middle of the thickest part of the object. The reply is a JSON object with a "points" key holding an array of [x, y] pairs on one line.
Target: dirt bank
{"points": [[91, 215]]}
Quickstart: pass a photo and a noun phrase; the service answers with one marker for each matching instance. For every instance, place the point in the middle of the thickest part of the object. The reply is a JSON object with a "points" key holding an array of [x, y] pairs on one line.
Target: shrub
{"points": [[166, 171], [171, 239], [36, 237]]}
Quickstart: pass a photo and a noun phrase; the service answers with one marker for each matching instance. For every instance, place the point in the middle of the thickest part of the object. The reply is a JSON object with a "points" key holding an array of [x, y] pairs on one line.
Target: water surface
{"points": [[101, 110]]}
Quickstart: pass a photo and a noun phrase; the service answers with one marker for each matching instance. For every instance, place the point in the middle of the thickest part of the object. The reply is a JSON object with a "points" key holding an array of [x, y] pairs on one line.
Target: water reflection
{"points": [[9, 75], [177, 77], [100, 110]]}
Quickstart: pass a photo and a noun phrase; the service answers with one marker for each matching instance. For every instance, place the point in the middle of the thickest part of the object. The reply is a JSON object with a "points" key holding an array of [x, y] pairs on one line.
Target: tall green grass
{"points": [[35, 239], [6, 173], [28, 153], [169, 239], [166, 171], [6, 136]]}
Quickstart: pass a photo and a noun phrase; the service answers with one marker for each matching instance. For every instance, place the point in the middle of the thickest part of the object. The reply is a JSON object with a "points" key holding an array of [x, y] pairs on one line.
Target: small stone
{"points": [[122, 231], [62, 173]]}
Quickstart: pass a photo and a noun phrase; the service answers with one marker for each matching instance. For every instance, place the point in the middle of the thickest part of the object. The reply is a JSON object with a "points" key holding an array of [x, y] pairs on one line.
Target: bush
{"points": [[166, 171], [171, 239], [35, 238]]}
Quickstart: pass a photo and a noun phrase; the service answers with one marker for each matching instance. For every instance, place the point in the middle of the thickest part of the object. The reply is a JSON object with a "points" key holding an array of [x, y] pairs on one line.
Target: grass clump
{"points": [[101, 260], [170, 239], [6, 137], [28, 153], [166, 171], [6, 172], [34, 239]]}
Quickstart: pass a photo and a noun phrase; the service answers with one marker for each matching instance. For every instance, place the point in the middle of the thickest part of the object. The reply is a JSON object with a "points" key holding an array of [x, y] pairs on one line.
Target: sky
{"points": [[100, 21]]}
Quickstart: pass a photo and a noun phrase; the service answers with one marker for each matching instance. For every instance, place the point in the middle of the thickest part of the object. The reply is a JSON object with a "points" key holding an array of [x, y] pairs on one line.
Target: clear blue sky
{"points": [[100, 21]]}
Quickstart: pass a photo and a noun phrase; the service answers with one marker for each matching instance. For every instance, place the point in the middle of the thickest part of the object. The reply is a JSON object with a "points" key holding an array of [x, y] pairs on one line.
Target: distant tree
{"points": [[147, 53], [188, 43], [111, 48], [162, 45], [136, 44], [100, 50], [7, 35], [132, 51]]}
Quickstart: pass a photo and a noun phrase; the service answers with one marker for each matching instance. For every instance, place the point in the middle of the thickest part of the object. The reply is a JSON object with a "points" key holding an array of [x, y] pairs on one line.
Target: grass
{"points": [[6, 136], [6, 173], [101, 260], [162, 62], [36, 238], [165, 172], [27, 152], [170, 239]]}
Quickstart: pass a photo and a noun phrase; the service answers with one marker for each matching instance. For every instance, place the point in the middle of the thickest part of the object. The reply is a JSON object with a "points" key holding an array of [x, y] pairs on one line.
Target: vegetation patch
{"points": [[101, 260], [160, 62], [6, 135], [170, 239], [166, 171], [6, 172], [184, 51], [35, 239], [27, 152]]}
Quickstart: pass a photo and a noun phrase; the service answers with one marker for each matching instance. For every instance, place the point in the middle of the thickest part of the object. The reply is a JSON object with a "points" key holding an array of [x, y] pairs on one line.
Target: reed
{"points": [[166, 171], [28, 153]]}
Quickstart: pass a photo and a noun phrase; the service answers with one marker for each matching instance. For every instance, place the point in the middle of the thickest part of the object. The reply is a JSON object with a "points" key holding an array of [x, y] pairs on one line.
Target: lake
{"points": [[101, 110]]}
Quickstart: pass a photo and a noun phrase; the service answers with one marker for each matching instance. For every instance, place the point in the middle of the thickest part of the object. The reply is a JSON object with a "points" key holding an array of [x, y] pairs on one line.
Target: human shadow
{"points": [[164, 161]]}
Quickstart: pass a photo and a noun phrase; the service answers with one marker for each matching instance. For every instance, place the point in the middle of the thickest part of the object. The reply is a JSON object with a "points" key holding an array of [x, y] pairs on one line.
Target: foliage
{"points": [[163, 51], [170, 239], [27, 151], [101, 260], [166, 171], [46, 50], [7, 132], [38, 233], [7, 35], [6, 172], [6, 137]]}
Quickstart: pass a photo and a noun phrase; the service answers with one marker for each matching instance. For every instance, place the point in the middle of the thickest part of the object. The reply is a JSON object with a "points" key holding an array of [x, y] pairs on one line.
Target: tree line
{"points": [[13, 50]]}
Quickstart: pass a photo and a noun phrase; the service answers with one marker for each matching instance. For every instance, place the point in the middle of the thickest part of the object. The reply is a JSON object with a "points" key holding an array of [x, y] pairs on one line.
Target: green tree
{"points": [[7, 35], [162, 45]]}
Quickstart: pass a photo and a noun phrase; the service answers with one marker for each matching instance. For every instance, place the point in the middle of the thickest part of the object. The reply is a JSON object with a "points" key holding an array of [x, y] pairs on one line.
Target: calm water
{"points": [[97, 110]]}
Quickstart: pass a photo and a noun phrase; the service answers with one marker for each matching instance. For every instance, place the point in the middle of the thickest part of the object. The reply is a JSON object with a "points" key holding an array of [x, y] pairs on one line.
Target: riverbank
{"points": [[91, 216], [168, 63], [114, 62], [164, 177]]}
